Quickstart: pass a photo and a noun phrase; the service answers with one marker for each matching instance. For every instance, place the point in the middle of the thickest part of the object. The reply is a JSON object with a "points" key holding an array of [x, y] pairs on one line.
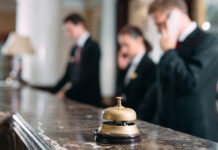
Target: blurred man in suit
{"points": [[83, 65], [137, 70], [187, 72]]}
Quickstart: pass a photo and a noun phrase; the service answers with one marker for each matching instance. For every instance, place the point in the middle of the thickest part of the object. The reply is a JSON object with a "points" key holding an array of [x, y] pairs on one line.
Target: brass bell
{"points": [[118, 126]]}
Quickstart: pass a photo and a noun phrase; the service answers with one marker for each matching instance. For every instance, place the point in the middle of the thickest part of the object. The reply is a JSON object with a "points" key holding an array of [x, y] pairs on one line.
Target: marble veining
{"points": [[66, 124]]}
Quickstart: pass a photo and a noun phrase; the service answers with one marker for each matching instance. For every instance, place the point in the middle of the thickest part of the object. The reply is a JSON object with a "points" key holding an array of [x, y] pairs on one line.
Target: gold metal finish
{"points": [[121, 121], [119, 101], [119, 113], [118, 130]]}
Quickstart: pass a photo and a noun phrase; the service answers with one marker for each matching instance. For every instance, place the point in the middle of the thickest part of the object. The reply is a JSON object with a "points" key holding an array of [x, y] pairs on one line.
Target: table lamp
{"points": [[16, 46]]}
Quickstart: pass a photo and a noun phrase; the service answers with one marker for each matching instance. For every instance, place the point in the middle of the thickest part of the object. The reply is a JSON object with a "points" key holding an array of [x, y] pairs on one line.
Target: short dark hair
{"points": [[75, 19], [135, 32], [168, 4]]}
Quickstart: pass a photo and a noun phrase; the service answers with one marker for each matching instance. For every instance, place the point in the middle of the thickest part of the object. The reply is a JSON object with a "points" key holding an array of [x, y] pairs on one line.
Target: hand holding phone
{"points": [[170, 31], [123, 60], [173, 18]]}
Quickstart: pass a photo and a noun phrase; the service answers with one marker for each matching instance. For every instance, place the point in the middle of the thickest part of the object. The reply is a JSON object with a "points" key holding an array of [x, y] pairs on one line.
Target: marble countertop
{"points": [[65, 124]]}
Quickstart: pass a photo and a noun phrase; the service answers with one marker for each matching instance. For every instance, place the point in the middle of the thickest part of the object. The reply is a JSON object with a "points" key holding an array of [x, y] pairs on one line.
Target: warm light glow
{"points": [[206, 26]]}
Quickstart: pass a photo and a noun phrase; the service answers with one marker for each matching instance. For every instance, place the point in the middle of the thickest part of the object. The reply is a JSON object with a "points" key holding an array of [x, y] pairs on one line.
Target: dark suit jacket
{"points": [[137, 87], [187, 86], [84, 76]]}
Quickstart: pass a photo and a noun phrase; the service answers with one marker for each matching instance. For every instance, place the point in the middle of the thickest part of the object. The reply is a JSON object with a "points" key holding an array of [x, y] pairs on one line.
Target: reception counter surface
{"points": [[39, 120]]}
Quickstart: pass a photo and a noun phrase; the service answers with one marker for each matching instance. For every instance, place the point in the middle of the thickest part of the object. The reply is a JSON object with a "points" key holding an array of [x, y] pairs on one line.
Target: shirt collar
{"points": [[188, 30], [81, 41], [137, 58]]}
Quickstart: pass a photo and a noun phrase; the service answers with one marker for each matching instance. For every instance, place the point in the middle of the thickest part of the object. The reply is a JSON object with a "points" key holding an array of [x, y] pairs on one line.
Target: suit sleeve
{"points": [[62, 82], [147, 107], [189, 74], [151, 75], [89, 70], [120, 81]]}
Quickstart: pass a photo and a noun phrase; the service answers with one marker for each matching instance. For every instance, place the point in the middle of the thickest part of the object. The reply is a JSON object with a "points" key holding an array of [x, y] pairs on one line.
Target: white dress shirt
{"points": [[134, 63], [81, 41], [188, 30]]}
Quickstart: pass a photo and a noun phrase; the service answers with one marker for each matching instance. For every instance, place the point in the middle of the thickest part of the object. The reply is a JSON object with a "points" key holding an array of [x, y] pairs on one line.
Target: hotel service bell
{"points": [[118, 126]]}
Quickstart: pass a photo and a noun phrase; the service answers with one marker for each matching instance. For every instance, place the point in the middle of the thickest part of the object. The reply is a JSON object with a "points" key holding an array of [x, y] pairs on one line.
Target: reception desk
{"points": [[33, 119]]}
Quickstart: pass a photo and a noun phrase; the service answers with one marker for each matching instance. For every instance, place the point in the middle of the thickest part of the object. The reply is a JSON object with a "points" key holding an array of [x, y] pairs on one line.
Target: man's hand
{"points": [[123, 60], [168, 40], [61, 95]]}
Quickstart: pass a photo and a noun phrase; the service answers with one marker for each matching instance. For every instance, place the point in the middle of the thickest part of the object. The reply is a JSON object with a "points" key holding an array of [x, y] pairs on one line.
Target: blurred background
{"points": [[41, 21]]}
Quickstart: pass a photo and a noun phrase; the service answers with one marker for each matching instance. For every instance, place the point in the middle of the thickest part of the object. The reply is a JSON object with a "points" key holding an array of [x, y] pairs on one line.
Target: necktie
{"points": [[178, 44], [78, 54]]}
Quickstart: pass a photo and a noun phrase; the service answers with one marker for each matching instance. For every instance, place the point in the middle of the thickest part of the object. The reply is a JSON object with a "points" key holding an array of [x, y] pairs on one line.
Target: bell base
{"points": [[117, 139]]}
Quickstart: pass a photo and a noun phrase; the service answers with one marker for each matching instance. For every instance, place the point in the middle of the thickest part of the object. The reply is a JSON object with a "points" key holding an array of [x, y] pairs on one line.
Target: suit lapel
{"points": [[84, 49], [71, 58]]}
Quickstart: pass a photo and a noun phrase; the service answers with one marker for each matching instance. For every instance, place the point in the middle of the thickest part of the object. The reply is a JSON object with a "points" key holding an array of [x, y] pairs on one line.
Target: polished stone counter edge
{"points": [[28, 135]]}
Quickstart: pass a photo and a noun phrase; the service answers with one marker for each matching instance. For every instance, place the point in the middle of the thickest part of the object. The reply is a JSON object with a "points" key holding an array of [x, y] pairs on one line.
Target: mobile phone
{"points": [[173, 22]]}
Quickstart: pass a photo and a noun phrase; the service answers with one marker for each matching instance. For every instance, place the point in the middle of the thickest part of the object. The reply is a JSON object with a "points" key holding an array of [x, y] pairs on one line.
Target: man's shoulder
{"points": [[92, 42], [206, 37], [205, 41], [147, 64], [147, 60], [91, 46]]}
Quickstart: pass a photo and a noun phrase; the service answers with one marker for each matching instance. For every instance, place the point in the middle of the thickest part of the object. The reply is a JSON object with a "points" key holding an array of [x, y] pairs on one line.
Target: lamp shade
{"points": [[17, 45]]}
